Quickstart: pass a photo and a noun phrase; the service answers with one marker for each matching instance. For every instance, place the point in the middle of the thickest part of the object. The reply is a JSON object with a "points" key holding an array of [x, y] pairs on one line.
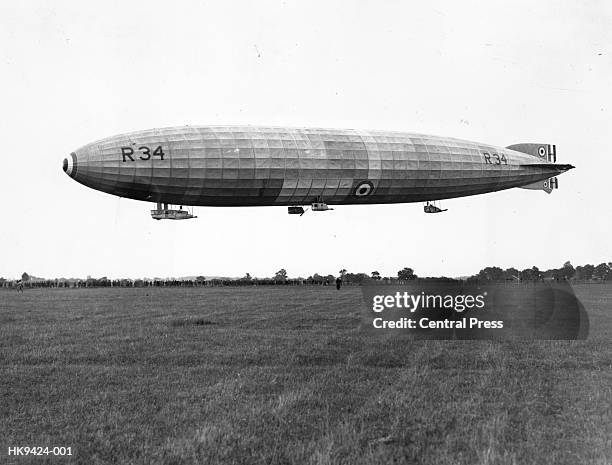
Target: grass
{"points": [[275, 375]]}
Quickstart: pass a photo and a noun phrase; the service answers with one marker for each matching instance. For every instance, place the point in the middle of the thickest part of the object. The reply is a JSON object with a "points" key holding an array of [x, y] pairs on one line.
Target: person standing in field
{"points": [[338, 283]]}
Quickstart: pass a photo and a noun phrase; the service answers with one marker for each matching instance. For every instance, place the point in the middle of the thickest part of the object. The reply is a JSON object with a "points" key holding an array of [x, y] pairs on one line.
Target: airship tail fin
{"points": [[547, 185], [546, 152]]}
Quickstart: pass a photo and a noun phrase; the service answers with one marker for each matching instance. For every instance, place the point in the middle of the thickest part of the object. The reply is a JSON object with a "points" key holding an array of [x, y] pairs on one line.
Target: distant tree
{"points": [[103, 281], [568, 270], [588, 271], [584, 272], [527, 275], [513, 274], [375, 275], [281, 275], [579, 272], [201, 279], [557, 273], [491, 273], [602, 271], [25, 277], [356, 278], [406, 274], [247, 277], [342, 272]]}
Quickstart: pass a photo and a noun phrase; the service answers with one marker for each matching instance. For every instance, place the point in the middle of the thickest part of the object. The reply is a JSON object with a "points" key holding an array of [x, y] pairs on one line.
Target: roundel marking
{"points": [[545, 183], [69, 164], [364, 189], [542, 151]]}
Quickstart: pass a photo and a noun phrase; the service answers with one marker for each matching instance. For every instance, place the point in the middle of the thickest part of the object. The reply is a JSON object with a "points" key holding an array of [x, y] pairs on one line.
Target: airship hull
{"points": [[265, 166]]}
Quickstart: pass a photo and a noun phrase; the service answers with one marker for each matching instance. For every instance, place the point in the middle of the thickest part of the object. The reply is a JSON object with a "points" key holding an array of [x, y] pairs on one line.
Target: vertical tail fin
{"points": [[545, 152], [546, 185]]}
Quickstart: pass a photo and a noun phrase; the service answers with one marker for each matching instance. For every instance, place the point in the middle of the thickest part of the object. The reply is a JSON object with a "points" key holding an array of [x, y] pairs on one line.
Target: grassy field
{"points": [[282, 375]]}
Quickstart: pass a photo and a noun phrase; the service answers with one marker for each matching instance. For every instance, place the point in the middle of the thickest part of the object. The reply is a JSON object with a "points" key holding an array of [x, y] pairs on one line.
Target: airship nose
{"points": [[69, 165]]}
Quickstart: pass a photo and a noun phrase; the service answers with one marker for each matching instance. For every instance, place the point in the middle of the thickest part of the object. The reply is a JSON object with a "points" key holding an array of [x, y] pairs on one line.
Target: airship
{"points": [[239, 166]]}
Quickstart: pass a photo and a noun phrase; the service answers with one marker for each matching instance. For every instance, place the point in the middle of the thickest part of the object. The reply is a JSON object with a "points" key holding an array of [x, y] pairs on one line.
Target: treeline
{"points": [[599, 273], [105, 282]]}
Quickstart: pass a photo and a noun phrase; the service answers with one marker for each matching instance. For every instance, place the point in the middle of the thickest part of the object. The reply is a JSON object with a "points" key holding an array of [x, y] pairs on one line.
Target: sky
{"points": [[493, 72]]}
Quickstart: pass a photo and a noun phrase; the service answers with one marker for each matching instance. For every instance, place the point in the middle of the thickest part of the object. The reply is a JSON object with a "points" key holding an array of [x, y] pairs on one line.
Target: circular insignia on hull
{"points": [[542, 151], [363, 189]]}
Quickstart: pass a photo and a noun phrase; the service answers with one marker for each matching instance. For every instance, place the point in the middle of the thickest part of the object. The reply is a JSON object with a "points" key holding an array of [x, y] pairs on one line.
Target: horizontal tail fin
{"points": [[550, 166]]}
